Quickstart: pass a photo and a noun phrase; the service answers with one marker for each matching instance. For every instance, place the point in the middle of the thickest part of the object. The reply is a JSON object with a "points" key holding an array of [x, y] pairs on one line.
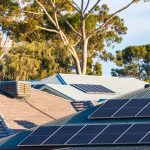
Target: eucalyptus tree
{"points": [[35, 60], [134, 61], [83, 29], [89, 24]]}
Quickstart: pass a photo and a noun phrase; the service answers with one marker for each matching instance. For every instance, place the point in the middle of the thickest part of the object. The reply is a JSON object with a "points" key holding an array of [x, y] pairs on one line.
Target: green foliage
{"points": [[29, 61], [135, 61], [9, 11], [22, 26], [94, 68]]}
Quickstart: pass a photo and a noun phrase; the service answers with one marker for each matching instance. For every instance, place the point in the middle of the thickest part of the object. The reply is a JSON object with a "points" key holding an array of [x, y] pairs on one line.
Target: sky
{"points": [[137, 20]]}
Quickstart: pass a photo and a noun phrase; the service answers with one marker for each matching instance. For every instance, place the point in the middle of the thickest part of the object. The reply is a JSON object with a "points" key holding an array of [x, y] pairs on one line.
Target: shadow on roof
{"points": [[25, 124]]}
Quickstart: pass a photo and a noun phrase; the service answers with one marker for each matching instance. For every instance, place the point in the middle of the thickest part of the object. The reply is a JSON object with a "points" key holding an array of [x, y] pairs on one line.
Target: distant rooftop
{"points": [[63, 85]]}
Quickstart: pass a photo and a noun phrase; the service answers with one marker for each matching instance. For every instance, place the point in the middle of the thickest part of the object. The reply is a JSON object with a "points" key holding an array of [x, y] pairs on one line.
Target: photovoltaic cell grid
{"points": [[89, 88], [116, 134], [124, 108]]}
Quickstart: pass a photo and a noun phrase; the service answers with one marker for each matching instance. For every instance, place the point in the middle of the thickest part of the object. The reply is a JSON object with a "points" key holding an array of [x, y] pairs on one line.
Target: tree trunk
{"points": [[84, 57], [84, 46], [77, 61], [78, 67]]}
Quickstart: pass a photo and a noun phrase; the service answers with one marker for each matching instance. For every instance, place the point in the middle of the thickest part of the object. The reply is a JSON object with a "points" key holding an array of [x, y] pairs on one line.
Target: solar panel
{"points": [[40, 135], [86, 134], [63, 135], [111, 134], [145, 112], [145, 139], [89, 88], [138, 103], [124, 108], [134, 134], [108, 109], [132, 108], [126, 112]]}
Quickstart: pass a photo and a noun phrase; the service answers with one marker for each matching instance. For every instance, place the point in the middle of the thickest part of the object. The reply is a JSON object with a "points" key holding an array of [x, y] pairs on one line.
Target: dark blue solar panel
{"points": [[86, 134], [110, 134], [130, 138], [132, 108], [136, 103], [123, 109], [40, 135], [145, 112], [127, 112], [63, 135], [145, 139], [134, 134], [139, 128], [114, 103], [108, 109], [90, 135], [104, 113], [88, 88]]}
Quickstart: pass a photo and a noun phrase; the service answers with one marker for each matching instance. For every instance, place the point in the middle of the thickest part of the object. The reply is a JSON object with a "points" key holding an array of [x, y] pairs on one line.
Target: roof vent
{"points": [[18, 89], [147, 86], [82, 105]]}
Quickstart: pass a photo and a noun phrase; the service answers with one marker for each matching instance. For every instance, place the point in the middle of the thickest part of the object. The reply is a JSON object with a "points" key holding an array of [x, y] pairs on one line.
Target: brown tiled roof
{"points": [[37, 109]]}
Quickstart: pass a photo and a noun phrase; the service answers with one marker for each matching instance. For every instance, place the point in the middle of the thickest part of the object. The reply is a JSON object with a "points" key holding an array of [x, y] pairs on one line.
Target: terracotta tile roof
{"points": [[37, 109]]}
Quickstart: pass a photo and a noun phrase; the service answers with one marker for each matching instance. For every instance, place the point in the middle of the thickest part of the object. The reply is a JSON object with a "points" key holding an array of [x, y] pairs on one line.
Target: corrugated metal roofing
{"points": [[139, 94], [4, 130], [12, 141], [55, 79], [69, 92], [60, 85], [116, 84]]}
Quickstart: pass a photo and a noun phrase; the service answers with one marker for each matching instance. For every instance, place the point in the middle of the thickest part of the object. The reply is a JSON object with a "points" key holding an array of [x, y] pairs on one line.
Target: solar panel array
{"points": [[124, 108], [89, 88], [111, 134]]}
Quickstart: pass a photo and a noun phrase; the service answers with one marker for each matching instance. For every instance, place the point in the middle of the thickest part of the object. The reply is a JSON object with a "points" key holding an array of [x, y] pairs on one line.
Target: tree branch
{"points": [[5, 51], [30, 12], [89, 12], [109, 19], [50, 18], [76, 43], [46, 29], [67, 22], [76, 7], [82, 4], [86, 7]]}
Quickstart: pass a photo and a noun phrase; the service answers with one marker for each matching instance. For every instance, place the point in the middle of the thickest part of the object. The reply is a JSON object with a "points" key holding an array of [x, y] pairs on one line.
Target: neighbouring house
{"points": [[86, 87], [19, 114], [118, 124]]}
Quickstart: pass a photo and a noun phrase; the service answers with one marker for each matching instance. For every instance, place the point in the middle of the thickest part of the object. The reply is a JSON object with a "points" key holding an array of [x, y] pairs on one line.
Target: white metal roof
{"points": [[116, 84], [60, 84], [74, 94]]}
